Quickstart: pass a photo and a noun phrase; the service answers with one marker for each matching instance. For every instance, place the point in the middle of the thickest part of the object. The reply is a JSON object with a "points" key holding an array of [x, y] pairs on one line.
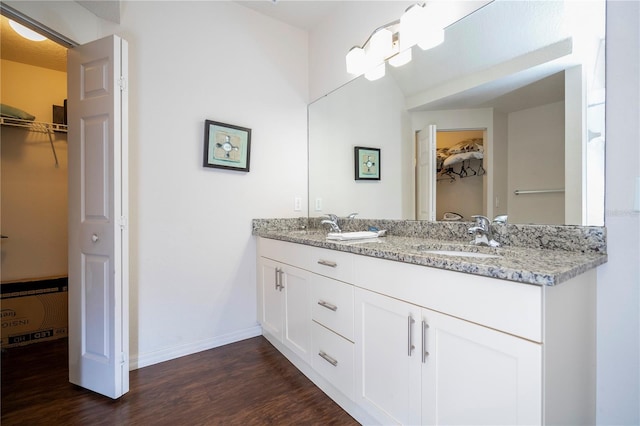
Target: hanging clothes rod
{"points": [[536, 191]]}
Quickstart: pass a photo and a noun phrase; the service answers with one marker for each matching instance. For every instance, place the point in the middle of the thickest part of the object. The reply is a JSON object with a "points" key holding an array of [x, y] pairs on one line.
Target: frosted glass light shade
{"points": [[375, 73], [431, 38], [356, 61], [401, 58], [412, 26], [380, 46], [26, 32]]}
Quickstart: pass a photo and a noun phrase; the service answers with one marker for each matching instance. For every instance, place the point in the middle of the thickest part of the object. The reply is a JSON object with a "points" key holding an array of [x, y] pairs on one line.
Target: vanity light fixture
{"points": [[393, 43], [25, 32]]}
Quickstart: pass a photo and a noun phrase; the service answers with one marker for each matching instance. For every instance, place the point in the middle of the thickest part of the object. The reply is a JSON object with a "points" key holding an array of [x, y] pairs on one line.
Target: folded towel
{"points": [[348, 236], [13, 112]]}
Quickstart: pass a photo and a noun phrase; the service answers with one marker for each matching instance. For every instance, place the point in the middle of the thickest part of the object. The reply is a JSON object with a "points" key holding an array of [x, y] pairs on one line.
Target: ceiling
{"points": [[44, 54], [303, 14]]}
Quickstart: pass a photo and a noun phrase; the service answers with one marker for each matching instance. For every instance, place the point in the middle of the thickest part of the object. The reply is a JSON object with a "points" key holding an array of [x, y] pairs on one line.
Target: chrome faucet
{"points": [[483, 236], [332, 220]]}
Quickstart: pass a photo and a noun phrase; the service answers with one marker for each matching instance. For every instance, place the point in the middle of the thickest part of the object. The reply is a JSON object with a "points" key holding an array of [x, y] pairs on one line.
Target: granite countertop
{"points": [[520, 264]]}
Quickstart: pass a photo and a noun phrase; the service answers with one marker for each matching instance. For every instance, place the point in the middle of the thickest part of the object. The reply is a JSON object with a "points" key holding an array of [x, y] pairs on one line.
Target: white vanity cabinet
{"points": [[303, 304], [417, 366], [284, 307], [397, 343]]}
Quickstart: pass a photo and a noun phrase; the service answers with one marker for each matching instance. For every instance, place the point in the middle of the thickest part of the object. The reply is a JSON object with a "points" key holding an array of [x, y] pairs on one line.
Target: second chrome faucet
{"points": [[483, 235]]}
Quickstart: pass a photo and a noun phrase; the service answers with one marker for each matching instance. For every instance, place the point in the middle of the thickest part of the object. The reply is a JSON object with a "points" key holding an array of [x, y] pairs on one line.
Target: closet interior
{"points": [[33, 209]]}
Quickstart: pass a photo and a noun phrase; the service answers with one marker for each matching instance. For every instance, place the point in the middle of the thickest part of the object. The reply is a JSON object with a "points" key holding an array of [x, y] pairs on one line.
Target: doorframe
{"points": [[68, 43], [36, 26]]}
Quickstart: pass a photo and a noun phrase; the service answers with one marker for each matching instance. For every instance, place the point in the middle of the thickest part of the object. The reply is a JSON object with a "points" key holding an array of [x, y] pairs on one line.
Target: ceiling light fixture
{"points": [[393, 43], [26, 32]]}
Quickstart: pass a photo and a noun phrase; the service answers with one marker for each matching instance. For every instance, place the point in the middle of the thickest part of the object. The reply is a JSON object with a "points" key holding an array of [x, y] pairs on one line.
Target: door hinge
{"points": [[122, 82], [123, 358], [123, 222]]}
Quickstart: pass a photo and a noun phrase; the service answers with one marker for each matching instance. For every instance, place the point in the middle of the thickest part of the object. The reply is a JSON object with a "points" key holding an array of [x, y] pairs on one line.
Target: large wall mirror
{"points": [[505, 118]]}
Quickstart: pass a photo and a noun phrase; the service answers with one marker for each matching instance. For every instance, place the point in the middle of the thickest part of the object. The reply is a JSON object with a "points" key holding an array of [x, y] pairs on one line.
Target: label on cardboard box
{"points": [[34, 311]]}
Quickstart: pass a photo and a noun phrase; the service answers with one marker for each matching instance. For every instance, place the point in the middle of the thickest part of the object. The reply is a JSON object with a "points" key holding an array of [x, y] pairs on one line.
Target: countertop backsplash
{"points": [[574, 238]]}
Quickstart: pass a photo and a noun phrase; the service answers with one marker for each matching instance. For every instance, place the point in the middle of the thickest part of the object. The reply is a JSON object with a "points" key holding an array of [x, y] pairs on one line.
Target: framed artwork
{"points": [[367, 163], [226, 146]]}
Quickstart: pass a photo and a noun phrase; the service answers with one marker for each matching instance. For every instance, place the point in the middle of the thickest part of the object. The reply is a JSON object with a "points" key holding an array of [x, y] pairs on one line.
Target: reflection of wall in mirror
{"points": [[536, 161], [355, 116]]}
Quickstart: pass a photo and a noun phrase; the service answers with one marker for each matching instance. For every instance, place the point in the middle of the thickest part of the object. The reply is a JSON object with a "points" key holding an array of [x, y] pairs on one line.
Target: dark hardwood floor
{"points": [[244, 383]]}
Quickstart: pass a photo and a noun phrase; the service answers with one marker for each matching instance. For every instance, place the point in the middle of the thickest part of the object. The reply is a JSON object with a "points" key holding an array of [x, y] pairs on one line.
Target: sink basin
{"points": [[459, 253]]}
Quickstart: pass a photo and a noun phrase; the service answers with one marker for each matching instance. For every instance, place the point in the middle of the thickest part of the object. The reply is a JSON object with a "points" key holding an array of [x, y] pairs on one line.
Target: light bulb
{"points": [[26, 32], [356, 61], [380, 46], [412, 25], [431, 39], [401, 58], [375, 73]]}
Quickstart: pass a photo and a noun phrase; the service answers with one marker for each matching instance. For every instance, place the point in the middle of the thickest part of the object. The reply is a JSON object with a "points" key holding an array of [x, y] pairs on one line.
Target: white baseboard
{"points": [[145, 360]]}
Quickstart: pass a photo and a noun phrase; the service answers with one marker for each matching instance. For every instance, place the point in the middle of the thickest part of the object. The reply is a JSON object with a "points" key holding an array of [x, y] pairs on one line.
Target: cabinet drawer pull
{"points": [[327, 263], [410, 322], [327, 305], [425, 354], [327, 358], [279, 273]]}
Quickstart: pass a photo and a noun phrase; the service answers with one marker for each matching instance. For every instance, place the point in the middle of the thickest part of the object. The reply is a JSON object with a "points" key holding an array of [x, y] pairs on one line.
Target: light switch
{"points": [[297, 204], [318, 204]]}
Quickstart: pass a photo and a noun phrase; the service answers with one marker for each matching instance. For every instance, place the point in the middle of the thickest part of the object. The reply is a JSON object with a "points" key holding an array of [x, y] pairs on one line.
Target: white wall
{"points": [[193, 256], [618, 315], [350, 117], [536, 160]]}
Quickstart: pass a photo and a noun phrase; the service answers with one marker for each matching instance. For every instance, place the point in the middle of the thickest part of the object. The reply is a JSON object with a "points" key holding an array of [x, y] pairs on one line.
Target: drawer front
{"points": [[332, 263], [499, 304], [293, 254], [332, 305], [333, 358]]}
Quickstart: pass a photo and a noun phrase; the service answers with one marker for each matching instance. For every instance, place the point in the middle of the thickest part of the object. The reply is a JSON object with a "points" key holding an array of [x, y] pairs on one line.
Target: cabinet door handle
{"points": [[329, 359], [277, 272], [327, 263], [425, 354], [410, 347], [327, 305], [280, 274]]}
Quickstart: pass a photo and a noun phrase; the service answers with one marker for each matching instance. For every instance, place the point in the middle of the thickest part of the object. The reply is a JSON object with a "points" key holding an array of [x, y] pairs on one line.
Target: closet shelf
{"points": [[37, 126], [33, 126]]}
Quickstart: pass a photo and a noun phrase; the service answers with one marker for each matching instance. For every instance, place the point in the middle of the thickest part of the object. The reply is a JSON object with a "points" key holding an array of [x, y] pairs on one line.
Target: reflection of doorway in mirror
{"points": [[460, 169]]}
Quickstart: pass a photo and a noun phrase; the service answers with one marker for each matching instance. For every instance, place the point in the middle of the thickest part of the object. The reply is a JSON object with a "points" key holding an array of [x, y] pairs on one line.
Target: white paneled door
{"points": [[98, 235], [426, 174]]}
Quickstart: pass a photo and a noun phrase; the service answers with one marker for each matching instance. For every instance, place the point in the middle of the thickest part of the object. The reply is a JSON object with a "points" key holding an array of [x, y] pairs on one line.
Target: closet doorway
{"points": [[98, 211]]}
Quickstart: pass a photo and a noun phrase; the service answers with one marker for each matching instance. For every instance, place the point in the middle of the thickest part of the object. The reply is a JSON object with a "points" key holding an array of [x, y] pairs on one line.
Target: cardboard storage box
{"points": [[33, 311]]}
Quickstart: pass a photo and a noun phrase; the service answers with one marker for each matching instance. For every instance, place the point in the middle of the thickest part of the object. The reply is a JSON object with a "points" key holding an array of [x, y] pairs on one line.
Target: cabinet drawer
{"points": [[332, 305], [297, 255], [333, 358], [332, 263], [499, 304]]}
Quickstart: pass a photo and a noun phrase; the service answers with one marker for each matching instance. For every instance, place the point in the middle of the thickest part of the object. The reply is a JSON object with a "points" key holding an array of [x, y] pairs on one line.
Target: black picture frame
{"points": [[366, 163], [226, 146]]}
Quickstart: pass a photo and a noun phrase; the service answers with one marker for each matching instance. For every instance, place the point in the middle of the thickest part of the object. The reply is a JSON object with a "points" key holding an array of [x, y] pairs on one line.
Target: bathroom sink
{"points": [[458, 253]]}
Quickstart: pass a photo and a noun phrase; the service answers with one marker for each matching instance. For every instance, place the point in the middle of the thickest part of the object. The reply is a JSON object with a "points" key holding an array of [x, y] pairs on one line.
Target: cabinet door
{"points": [[270, 298], [296, 290], [387, 367], [476, 375]]}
